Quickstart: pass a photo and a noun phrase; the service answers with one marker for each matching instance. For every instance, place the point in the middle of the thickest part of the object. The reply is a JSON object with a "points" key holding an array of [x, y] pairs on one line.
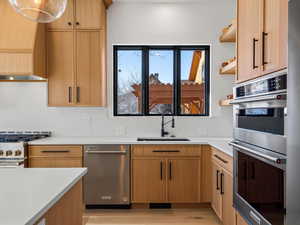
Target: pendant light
{"points": [[41, 11]]}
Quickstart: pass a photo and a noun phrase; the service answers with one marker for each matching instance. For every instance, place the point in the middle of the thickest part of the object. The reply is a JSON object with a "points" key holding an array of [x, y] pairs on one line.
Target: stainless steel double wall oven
{"points": [[260, 120]]}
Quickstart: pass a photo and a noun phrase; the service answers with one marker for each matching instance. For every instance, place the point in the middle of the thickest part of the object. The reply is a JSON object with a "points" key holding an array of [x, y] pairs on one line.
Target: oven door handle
{"points": [[260, 98], [267, 157]]}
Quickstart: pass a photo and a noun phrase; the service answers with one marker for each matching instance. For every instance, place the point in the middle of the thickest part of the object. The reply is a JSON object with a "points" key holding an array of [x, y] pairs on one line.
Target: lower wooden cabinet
{"points": [[55, 156], [183, 180], [222, 193], [148, 180], [166, 179], [68, 210]]}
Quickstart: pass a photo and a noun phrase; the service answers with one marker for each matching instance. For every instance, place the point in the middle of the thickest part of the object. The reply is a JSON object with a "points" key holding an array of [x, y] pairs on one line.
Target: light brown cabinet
{"points": [[55, 156], [261, 38], [222, 193], [76, 68], [148, 180], [159, 178], [183, 180], [76, 56], [81, 14]]}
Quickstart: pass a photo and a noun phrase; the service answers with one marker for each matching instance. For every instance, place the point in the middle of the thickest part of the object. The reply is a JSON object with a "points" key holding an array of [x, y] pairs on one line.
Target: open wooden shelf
{"points": [[229, 33], [229, 69], [225, 102]]}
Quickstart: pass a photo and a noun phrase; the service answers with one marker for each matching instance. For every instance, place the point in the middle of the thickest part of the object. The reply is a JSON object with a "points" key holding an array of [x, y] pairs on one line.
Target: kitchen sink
{"points": [[163, 139]]}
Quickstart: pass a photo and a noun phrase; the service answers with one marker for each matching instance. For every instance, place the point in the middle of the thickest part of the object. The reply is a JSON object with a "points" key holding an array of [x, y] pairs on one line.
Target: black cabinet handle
{"points": [[69, 23], [77, 23], [170, 170], [161, 170], [162, 151], [218, 188], [219, 158], [264, 35], [254, 53], [70, 94], [222, 184], [55, 151], [78, 94]]}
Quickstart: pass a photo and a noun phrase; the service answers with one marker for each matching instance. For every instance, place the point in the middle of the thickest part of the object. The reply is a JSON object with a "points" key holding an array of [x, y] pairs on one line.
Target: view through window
{"points": [[161, 80]]}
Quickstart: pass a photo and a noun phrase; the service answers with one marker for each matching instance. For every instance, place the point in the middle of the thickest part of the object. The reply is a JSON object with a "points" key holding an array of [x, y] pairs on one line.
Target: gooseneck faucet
{"points": [[163, 123]]}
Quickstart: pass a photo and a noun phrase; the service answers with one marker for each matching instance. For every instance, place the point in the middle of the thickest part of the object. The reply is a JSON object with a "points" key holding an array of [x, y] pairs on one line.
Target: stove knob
{"points": [[18, 153], [9, 153], [1, 153]]}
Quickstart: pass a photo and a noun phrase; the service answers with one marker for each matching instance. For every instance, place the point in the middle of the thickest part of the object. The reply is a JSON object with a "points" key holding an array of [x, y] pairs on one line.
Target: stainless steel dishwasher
{"points": [[108, 179]]}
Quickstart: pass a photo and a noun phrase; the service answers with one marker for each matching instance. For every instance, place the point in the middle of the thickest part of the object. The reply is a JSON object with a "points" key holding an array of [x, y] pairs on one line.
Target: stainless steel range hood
{"points": [[22, 46]]}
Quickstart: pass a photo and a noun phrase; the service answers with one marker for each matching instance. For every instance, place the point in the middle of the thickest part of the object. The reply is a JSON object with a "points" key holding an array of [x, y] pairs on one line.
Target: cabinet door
{"points": [[90, 69], [249, 39], [216, 202], [66, 22], [228, 213], [60, 64], [55, 162], [184, 180], [90, 14], [275, 35], [148, 181]]}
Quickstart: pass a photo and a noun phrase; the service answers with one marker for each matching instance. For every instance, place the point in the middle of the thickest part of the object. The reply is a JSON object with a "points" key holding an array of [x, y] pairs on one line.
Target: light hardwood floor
{"points": [[204, 216]]}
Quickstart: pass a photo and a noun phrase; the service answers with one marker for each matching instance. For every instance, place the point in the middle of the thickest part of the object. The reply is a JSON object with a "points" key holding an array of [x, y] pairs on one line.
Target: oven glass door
{"points": [[269, 120], [261, 185]]}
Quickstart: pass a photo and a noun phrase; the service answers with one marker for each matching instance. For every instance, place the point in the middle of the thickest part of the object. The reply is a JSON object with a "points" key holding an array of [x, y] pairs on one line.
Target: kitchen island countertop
{"points": [[27, 194]]}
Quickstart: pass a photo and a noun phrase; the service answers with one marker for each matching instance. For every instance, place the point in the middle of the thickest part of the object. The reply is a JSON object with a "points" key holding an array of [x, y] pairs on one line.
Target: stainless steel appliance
{"points": [[260, 112], [260, 132], [13, 147], [293, 140], [108, 179]]}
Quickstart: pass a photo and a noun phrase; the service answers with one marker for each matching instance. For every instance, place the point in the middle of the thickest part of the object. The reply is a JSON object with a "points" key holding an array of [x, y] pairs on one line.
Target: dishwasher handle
{"points": [[105, 152]]}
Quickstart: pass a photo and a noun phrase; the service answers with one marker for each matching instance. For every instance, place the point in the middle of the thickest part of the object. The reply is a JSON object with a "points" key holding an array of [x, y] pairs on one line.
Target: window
{"points": [[156, 80]]}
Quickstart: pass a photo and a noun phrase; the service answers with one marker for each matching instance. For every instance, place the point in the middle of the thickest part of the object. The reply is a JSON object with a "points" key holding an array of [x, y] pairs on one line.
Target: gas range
{"points": [[13, 146]]}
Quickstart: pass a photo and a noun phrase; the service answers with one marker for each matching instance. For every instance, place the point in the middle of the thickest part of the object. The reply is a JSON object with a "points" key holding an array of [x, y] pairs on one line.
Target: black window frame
{"points": [[176, 77]]}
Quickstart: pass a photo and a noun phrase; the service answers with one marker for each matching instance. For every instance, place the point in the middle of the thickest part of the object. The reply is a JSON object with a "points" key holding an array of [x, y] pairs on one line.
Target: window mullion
{"points": [[145, 81], [177, 81]]}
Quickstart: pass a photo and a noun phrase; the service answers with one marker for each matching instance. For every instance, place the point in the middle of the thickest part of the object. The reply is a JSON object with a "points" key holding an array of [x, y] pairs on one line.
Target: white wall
{"points": [[23, 105]]}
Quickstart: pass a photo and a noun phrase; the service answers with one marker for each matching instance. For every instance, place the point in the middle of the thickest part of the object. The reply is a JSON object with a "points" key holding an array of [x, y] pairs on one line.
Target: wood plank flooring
{"points": [[203, 216]]}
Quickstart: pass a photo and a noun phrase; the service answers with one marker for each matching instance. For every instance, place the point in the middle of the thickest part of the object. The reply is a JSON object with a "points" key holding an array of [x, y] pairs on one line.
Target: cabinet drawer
{"points": [[222, 159], [48, 162], [166, 150], [55, 151]]}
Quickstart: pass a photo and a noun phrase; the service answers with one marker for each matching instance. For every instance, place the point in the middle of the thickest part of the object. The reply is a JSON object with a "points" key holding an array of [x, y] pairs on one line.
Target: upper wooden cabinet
{"points": [[261, 38], [82, 14], [76, 68]]}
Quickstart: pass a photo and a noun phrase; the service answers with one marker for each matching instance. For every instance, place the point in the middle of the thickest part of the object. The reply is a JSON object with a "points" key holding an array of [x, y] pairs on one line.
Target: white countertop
{"points": [[219, 143], [26, 194]]}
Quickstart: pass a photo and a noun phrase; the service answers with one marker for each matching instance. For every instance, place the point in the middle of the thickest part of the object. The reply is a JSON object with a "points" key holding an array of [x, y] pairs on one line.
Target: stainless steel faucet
{"points": [[163, 123]]}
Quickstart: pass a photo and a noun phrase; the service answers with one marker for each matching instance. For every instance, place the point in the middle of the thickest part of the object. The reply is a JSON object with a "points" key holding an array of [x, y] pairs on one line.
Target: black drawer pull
{"points": [[222, 184], [166, 151], [170, 170], [219, 158], [55, 151]]}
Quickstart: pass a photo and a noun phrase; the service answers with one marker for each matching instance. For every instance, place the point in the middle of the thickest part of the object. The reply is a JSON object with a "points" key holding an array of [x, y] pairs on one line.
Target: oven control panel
{"points": [[265, 86]]}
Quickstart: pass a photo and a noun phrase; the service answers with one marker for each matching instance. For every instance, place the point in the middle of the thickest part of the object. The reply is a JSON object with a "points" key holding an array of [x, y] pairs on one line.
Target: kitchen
{"points": [[147, 111]]}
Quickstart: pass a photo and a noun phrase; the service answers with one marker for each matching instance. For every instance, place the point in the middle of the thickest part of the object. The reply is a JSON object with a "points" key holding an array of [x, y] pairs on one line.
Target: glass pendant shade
{"points": [[42, 11]]}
